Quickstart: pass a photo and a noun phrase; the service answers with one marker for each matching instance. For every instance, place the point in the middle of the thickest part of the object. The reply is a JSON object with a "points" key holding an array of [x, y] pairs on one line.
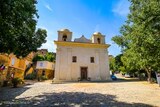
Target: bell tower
{"points": [[98, 38], [64, 35]]}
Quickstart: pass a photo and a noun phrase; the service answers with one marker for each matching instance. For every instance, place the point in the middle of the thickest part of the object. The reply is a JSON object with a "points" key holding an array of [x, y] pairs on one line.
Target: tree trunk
{"points": [[149, 75]]}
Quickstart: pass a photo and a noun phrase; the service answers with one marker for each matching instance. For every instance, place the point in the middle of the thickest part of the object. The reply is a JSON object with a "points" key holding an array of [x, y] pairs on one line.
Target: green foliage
{"points": [[38, 58], [5, 83], [18, 32], [31, 76], [120, 41], [141, 36], [154, 80], [118, 61], [16, 81], [122, 69], [43, 78], [142, 76], [112, 65], [48, 57]]}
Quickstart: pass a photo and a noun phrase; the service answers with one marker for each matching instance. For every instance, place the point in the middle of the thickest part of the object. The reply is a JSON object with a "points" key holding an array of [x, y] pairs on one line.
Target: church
{"points": [[81, 59]]}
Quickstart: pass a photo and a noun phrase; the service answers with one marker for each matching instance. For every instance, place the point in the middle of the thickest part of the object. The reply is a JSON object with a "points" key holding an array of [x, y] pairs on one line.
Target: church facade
{"points": [[81, 59]]}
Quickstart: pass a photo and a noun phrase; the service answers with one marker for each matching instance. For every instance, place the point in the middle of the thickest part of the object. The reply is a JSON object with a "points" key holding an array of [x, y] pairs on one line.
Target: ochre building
{"points": [[45, 68]]}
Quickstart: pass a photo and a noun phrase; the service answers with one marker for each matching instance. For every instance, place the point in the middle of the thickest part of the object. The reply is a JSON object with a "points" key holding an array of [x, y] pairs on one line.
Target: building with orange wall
{"points": [[45, 68], [4, 60], [14, 67]]}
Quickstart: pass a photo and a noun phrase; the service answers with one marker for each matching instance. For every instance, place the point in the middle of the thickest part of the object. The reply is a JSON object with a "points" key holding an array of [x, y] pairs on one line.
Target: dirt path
{"points": [[121, 93]]}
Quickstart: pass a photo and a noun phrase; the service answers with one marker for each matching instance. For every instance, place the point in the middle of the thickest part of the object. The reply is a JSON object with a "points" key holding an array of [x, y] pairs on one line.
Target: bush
{"points": [[142, 76], [154, 80], [31, 76], [5, 83], [43, 78], [79, 79], [16, 81]]}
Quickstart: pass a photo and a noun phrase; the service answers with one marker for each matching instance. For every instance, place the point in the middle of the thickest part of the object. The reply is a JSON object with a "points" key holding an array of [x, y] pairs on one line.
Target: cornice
{"points": [[77, 44]]}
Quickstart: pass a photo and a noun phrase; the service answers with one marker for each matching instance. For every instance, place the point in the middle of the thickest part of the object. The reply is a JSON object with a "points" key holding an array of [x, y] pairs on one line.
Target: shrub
{"points": [[43, 77], [142, 76], [16, 81], [154, 80], [31, 76], [79, 79], [5, 83]]}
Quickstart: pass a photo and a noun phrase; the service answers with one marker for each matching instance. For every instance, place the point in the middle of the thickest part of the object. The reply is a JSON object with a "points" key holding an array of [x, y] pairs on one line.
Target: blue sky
{"points": [[82, 17]]}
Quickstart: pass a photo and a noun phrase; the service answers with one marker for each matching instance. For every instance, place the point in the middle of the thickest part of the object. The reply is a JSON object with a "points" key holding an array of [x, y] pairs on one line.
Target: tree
{"points": [[112, 65], [18, 32], [38, 58], [48, 57], [118, 61], [141, 36]]}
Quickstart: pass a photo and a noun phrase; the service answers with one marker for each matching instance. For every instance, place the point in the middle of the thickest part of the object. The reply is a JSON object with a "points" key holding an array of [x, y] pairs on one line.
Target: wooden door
{"points": [[84, 73]]}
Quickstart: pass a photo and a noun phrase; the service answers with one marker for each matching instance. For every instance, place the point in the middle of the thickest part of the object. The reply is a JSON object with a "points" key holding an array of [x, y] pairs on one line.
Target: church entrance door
{"points": [[84, 73]]}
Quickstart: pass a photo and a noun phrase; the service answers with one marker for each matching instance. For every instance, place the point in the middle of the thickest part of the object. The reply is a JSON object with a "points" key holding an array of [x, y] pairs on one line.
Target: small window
{"points": [[92, 59], [13, 61], [99, 40], [41, 64], [64, 38], [74, 59], [43, 73]]}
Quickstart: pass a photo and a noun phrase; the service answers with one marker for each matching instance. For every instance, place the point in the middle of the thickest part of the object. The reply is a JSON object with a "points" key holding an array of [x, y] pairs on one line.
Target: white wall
{"points": [[66, 70], [45, 65]]}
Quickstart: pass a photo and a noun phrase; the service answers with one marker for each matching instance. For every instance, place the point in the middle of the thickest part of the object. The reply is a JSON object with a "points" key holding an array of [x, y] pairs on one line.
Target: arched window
{"points": [[64, 38], [99, 40]]}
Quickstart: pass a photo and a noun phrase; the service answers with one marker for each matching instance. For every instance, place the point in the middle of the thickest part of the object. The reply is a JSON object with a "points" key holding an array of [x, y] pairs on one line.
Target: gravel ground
{"points": [[121, 93]]}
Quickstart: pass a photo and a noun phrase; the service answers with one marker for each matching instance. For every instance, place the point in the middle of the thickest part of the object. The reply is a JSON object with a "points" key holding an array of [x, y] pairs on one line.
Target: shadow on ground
{"points": [[107, 81], [9, 93], [72, 99], [128, 80]]}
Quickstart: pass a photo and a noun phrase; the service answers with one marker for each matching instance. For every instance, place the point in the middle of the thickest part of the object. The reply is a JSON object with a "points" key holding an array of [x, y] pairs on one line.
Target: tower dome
{"points": [[64, 30], [97, 37], [64, 35], [97, 33]]}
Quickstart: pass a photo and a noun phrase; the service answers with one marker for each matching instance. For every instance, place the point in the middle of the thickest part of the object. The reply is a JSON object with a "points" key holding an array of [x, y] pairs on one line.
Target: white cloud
{"points": [[49, 45], [121, 8], [48, 7], [50, 39]]}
